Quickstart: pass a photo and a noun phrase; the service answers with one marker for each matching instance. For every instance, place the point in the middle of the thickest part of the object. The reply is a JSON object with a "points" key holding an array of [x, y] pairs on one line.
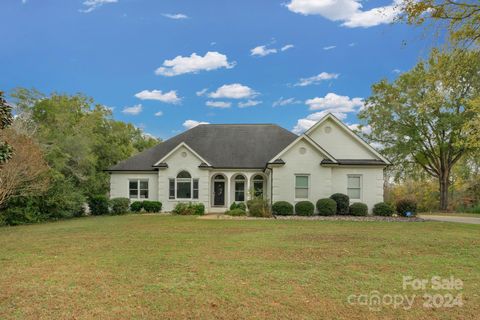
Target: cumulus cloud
{"points": [[262, 51], [189, 124], [286, 47], [90, 5], [218, 104], [194, 63], [201, 92], [159, 114], [349, 12], [285, 102], [316, 79], [176, 16], [233, 91], [335, 102], [249, 103], [167, 97], [329, 48], [136, 109], [360, 129]]}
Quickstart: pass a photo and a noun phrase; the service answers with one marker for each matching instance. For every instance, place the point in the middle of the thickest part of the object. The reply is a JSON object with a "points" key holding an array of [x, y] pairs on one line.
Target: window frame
{"points": [[360, 188], [139, 181], [194, 187], [295, 186], [239, 191], [263, 185]]}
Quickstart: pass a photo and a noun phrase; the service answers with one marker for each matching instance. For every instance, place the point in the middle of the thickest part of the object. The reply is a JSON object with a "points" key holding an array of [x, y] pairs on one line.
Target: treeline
{"points": [[61, 144]]}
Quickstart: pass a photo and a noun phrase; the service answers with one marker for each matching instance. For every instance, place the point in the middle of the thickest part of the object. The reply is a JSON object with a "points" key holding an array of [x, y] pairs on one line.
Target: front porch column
{"points": [[227, 190]]}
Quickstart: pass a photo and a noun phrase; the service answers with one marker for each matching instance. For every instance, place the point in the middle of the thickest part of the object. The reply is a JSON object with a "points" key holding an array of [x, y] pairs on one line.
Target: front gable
{"points": [[182, 153], [341, 142], [300, 147]]}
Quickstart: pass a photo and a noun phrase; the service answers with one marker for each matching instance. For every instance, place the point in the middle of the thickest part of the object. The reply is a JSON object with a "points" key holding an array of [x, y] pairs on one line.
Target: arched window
{"points": [[258, 186], [240, 188], [183, 187]]}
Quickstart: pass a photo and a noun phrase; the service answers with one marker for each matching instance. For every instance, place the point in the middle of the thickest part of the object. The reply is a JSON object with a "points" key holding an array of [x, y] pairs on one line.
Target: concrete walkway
{"points": [[470, 220]]}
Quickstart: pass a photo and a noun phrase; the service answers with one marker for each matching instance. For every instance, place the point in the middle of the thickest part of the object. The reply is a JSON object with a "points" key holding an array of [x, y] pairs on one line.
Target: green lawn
{"points": [[146, 266]]}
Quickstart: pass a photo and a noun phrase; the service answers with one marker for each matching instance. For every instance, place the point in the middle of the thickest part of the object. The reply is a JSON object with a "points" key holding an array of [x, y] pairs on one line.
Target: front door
{"points": [[219, 193]]}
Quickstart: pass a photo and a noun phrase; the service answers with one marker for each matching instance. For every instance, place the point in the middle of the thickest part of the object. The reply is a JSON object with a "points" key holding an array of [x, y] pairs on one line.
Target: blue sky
{"points": [[166, 65]]}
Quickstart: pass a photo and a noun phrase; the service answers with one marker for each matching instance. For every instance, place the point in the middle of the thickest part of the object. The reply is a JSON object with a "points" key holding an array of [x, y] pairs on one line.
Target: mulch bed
{"points": [[324, 218]]}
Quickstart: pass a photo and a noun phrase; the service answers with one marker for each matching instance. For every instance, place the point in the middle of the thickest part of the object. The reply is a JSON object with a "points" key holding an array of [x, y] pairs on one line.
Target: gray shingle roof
{"points": [[222, 145]]}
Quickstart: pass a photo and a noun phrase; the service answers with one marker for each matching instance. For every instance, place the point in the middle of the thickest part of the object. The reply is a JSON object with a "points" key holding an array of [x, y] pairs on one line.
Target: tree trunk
{"points": [[444, 184]]}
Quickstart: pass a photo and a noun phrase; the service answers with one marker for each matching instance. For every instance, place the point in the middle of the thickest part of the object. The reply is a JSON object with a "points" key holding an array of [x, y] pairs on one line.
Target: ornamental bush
{"points": [[119, 205], [98, 205], [326, 207], [406, 205], [259, 208], [136, 206], [383, 209], [304, 208], [282, 208], [185, 209], [236, 212], [152, 206], [342, 201], [238, 205], [358, 209]]}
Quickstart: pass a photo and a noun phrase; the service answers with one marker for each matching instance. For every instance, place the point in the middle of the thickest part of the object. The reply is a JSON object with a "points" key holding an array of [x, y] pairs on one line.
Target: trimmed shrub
{"points": [[236, 212], [304, 208], [185, 209], [238, 205], [259, 208], [406, 205], [342, 201], [120, 205], [152, 206], [326, 207], [282, 208], [383, 209], [136, 206], [358, 209], [98, 205]]}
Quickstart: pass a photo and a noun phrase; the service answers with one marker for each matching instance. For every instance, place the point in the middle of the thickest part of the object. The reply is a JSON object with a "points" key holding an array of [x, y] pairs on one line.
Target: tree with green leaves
{"points": [[6, 119], [460, 18], [422, 118]]}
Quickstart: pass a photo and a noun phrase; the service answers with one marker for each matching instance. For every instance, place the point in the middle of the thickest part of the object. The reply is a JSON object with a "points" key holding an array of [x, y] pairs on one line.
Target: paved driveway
{"points": [[470, 220]]}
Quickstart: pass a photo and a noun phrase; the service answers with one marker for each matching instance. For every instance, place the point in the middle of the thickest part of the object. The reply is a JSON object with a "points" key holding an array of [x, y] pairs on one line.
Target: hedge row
{"points": [[101, 205]]}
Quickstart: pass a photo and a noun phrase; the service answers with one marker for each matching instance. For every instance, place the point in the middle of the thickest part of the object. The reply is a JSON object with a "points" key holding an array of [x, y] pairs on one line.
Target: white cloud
{"points": [[284, 102], [218, 104], [201, 92], [335, 102], [305, 123], [167, 97], [329, 48], [159, 114], [233, 91], [316, 79], [396, 71], [91, 5], [286, 47], [194, 63], [176, 16], [189, 124], [364, 129], [262, 51], [24, 1], [349, 12], [249, 103], [136, 109]]}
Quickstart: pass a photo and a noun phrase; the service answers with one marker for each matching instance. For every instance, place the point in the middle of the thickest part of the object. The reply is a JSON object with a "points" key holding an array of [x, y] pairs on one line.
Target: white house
{"points": [[220, 164]]}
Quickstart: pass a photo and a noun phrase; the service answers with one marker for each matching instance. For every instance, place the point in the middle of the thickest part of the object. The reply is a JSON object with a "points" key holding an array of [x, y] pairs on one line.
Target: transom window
{"points": [[301, 186], [183, 186], [240, 188], [258, 186], [138, 189], [354, 183]]}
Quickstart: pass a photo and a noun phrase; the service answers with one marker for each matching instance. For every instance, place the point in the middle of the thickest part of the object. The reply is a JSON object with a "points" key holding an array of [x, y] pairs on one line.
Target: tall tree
{"points": [[460, 17], [6, 119], [422, 117]]}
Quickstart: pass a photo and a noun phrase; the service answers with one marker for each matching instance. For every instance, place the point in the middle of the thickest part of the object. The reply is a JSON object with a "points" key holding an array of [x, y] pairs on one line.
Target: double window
{"points": [[240, 188], [354, 186], [138, 189], [183, 187], [301, 186]]}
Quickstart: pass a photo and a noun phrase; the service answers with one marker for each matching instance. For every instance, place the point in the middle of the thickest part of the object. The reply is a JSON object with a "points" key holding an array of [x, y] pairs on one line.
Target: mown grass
{"points": [[179, 267]]}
